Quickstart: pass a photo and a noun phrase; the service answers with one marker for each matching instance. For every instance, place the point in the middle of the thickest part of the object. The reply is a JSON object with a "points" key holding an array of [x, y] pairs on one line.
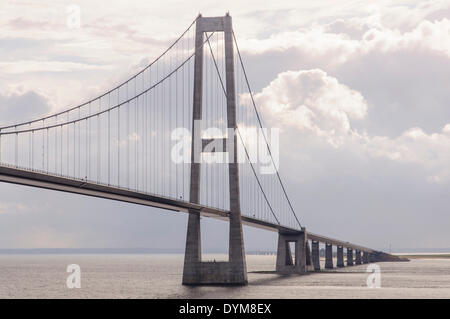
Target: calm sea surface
{"points": [[159, 276]]}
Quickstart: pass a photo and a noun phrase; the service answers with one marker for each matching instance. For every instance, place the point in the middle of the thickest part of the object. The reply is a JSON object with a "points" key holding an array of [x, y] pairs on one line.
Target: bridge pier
{"points": [[315, 255], [285, 264], [198, 272], [357, 257], [365, 257], [349, 257], [340, 257], [328, 256], [193, 251], [195, 271], [309, 264]]}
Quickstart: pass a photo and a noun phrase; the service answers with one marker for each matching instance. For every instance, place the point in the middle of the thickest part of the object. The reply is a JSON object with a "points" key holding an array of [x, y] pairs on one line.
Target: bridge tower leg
{"points": [[358, 257], [349, 257], [309, 264], [315, 255], [285, 263], [340, 257], [328, 256], [195, 271], [365, 257]]}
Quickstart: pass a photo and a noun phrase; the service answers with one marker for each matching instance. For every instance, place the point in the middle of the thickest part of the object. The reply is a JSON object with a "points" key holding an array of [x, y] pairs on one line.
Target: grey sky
{"points": [[368, 163]]}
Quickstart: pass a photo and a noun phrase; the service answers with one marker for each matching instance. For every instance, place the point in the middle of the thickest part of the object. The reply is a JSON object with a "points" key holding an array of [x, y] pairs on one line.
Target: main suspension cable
{"points": [[242, 141], [260, 124], [107, 92], [128, 100]]}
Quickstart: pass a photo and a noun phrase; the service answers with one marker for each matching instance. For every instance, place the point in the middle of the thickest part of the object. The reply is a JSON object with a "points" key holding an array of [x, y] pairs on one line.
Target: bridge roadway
{"points": [[77, 186]]}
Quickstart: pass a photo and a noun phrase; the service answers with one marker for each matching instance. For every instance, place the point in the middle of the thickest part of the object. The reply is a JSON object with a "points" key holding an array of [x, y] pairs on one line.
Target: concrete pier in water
{"points": [[286, 263], [349, 257], [328, 256]]}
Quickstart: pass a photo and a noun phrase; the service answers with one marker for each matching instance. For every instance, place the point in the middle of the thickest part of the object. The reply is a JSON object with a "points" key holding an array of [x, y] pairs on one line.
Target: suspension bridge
{"points": [[120, 146]]}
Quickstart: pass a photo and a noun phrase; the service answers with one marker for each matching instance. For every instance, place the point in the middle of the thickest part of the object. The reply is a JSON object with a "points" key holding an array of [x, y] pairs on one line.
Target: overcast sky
{"points": [[361, 91]]}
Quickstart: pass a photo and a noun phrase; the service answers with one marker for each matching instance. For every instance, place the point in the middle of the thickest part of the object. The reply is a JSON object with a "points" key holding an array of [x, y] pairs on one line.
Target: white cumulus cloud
{"points": [[314, 101], [345, 39]]}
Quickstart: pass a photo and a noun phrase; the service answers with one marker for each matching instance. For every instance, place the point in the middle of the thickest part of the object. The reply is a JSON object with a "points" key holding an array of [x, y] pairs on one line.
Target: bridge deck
{"points": [[43, 180]]}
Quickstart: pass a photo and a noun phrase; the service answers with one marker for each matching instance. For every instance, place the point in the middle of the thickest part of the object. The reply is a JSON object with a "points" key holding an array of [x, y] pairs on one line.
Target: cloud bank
{"points": [[312, 102]]}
